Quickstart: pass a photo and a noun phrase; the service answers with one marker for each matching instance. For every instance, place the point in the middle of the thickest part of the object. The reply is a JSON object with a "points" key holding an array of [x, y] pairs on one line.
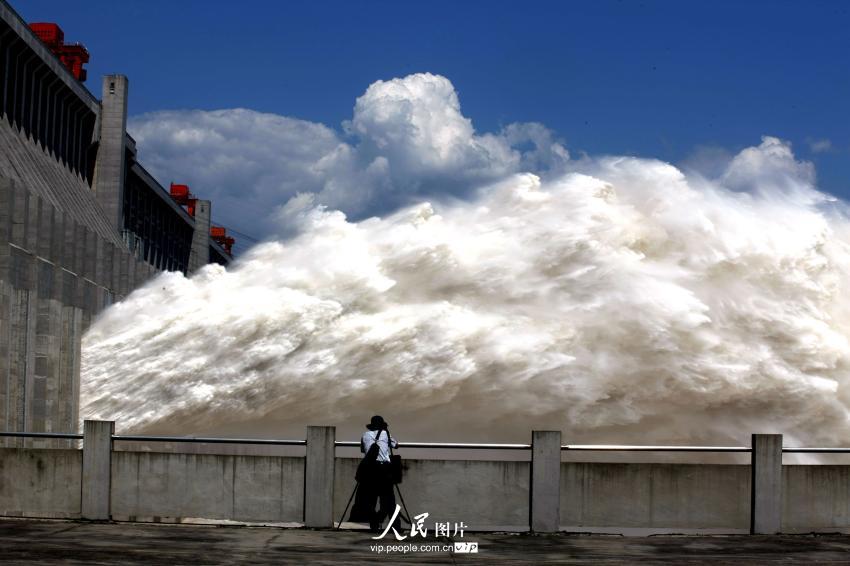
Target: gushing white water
{"points": [[626, 302]]}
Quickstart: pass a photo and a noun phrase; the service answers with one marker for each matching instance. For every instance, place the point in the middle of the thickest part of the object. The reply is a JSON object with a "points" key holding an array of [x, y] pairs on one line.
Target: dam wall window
{"points": [[37, 102], [157, 233]]}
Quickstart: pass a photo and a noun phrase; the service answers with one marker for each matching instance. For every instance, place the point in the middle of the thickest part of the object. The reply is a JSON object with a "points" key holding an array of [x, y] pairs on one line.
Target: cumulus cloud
{"points": [[771, 169], [407, 139]]}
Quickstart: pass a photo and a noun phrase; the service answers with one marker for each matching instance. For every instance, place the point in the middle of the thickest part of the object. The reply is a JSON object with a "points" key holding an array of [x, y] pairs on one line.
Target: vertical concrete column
{"points": [[766, 486], [22, 311], [45, 231], [319, 476], [6, 202], [69, 255], [89, 254], [109, 169], [124, 273], [117, 259], [545, 481], [199, 255], [97, 469], [131, 273], [100, 260], [57, 251]]}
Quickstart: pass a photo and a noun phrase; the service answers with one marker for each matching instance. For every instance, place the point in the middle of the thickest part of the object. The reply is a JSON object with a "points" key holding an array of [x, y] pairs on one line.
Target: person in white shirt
{"points": [[378, 485], [378, 429]]}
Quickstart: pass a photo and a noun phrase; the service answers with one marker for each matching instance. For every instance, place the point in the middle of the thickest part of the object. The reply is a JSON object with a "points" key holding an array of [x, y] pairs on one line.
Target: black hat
{"points": [[377, 423]]}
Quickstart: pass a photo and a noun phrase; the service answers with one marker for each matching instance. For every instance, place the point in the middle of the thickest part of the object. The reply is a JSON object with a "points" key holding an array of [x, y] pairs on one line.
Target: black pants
{"points": [[377, 487], [384, 492]]}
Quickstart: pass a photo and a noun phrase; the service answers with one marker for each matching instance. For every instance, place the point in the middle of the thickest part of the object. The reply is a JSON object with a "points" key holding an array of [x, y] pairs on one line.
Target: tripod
{"points": [[405, 517]]}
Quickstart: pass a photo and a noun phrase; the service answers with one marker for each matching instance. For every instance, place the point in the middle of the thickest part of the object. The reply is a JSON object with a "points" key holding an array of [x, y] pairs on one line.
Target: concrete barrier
{"points": [[161, 487], [484, 495], [815, 499], [40, 483], [655, 497], [545, 494]]}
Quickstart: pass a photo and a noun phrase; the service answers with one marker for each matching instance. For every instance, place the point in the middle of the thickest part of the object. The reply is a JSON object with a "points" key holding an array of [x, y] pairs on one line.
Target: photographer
{"points": [[375, 476]]}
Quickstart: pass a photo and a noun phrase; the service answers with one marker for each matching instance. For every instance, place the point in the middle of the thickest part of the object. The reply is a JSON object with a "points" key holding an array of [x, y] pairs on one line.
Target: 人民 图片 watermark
{"points": [[405, 543]]}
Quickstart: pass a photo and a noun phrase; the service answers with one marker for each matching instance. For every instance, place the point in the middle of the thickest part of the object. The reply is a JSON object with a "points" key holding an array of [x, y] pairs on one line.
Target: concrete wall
{"points": [[485, 495], [170, 485], [151, 486], [53, 281], [40, 483], [815, 498], [619, 497]]}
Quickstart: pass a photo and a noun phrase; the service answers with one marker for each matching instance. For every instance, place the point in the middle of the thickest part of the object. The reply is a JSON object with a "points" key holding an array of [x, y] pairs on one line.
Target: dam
{"points": [[83, 224]]}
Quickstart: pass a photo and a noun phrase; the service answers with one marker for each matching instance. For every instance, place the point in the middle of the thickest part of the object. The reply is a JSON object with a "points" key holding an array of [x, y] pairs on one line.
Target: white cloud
{"points": [[771, 169], [819, 145], [407, 139]]}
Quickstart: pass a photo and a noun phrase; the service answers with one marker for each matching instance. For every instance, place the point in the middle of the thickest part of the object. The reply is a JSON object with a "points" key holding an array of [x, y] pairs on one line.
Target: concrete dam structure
{"points": [[82, 223]]}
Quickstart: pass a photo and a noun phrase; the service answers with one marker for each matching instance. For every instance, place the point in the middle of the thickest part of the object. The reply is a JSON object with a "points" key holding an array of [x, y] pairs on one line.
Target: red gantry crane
{"points": [[184, 197], [72, 55]]}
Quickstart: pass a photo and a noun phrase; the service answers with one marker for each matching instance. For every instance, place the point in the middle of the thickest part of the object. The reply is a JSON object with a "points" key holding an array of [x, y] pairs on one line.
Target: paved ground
{"points": [[58, 542]]}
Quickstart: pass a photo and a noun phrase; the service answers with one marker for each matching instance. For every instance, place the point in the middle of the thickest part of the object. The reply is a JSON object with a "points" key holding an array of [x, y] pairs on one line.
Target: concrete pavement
{"points": [[66, 542]]}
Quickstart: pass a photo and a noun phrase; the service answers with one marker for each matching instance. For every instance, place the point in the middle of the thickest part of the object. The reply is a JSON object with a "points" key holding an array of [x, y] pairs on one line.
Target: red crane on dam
{"points": [[72, 55], [184, 197]]}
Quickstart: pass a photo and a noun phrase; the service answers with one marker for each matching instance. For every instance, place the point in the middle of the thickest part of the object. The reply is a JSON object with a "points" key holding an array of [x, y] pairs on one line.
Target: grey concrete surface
{"points": [[171, 487], [57, 542], [545, 480], [816, 498], [766, 516], [40, 483], [45, 305], [200, 254], [97, 469], [485, 495], [109, 172], [628, 498], [655, 496], [319, 475]]}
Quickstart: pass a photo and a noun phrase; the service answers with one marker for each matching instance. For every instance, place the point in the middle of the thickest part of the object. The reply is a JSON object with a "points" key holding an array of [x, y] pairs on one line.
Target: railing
{"points": [[434, 445], [71, 435], [634, 448], [450, 445], [210, 440], [801, 450]]}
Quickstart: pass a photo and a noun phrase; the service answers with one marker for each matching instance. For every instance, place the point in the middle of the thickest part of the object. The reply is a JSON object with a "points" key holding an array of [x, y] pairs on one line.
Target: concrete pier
{"points": [[766, 511], [545, 481], [319, 476], [97, 469], [109, 174], [200, 254]]}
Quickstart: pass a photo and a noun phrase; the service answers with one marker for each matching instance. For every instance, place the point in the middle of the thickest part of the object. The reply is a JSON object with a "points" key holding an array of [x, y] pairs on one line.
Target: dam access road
{"points": [[27, 541]]}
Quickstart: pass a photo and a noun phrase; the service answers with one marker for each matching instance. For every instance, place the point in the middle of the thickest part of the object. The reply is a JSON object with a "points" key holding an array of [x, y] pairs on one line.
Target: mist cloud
{"points": [[624, 300]]}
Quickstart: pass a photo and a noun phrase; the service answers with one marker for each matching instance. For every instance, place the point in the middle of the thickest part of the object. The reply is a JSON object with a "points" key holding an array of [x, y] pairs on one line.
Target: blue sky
{"points": [[651, 78]]}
